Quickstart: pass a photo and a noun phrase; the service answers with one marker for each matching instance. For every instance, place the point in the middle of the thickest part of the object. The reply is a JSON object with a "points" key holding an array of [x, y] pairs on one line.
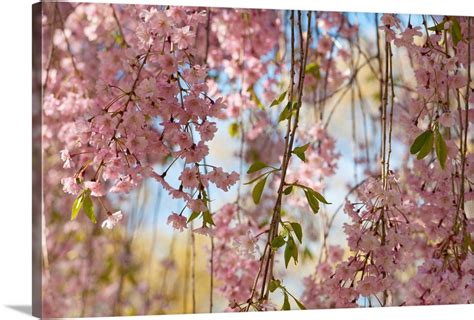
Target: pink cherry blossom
{"points": [[112, 220], [177, 221]]}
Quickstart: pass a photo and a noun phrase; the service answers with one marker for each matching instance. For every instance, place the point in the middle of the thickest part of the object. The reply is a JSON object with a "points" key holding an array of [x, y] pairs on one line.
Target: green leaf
{"points": [[299, 152], [193, 216], [419, 142], [291, 251], [455, 31], [300, 305], [207, 218], [258, 189], [119, 39], [313, 68], [288, 190], [234, 129], [279, 100], [297, 230], [468, 243], [89, 208], [441, 149], [312, 201], [427, 146], [255, 98], [278, 242], [273, 285], [438, 28], [286, 113], [77, 205], [318, 196], [307, 253], [286, 302], [256, 166], [258, 178]]}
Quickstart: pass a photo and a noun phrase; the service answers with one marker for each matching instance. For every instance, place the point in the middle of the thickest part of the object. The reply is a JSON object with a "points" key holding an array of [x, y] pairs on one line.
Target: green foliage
{"points": [[256, 166], [318, 196], [456, 34], [88, 207], [298, 231], [313, 69], [287, 111], [300, 305], [278, 242], [279, 100], [254, 97], [258, 190], [312, 201], [288, 190], [441, 149], [234, 129], [83, 201], [286, 302], [299, 151], [291, 251], [454, 30], [438, 27], [207, 218], [274, 284], [77, 205], [468, 244], [194, 215], [423, 144], [119, 39]]}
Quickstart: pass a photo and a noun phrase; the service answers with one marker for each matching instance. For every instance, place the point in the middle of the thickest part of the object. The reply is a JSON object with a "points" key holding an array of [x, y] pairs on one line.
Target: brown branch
{"points": [[122, 34]]}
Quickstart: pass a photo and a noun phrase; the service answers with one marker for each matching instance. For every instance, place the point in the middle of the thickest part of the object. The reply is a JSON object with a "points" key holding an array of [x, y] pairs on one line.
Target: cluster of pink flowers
{"points": [[235, 264], [132, 91], [149, 103], [321, 163], [416, 221]]}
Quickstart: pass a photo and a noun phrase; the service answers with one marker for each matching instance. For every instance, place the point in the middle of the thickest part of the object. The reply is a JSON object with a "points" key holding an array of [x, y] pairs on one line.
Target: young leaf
{"points": [[279, 100], [77, 205], [89, 208], [313, 68], [278, 242], [307, 253], [286, 302], [297, 230], [207, 218], [193, 216], [256, 166], [286, 113], [258, 189], [300, 305], [312, 201], [455, 31], [319, 196], [419, 142], [274, 284], [255, 98], [291, 251], [438, 28], [468, 244], [441, 149], [288, 190], [234, 129], [427, 146], [299, 152]]}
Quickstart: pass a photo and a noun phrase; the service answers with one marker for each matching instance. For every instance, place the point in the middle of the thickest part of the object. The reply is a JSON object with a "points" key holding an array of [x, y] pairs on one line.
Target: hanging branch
{"points": [[119, 26], [268, 256], [464, 131]]}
